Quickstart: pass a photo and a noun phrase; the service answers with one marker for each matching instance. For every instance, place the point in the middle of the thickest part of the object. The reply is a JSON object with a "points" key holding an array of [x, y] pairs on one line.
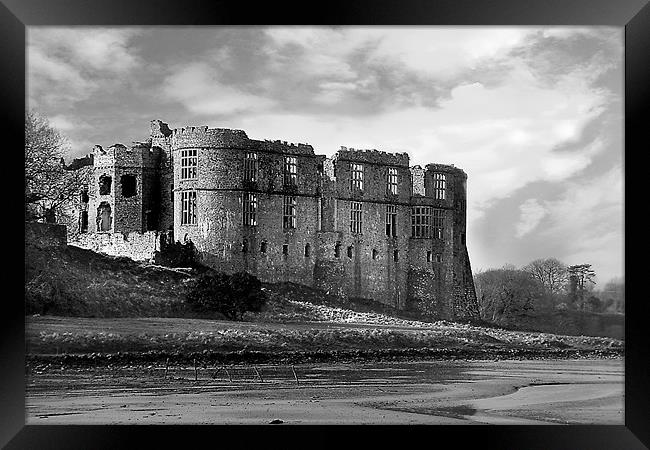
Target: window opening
{"points": [[355, 217], [188, 208], [249, 205], [391, 220], [421, 221]]}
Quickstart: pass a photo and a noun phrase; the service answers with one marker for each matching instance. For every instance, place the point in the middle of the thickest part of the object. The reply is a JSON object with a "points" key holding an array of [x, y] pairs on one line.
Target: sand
{"points": [[423, 392]]}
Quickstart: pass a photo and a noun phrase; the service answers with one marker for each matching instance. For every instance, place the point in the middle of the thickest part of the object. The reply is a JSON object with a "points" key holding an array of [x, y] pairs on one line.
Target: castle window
{"points": [[374, 253], [250, 167], [391, 220], [429, 256], [188, 208], [128, 185], [438, 223], [438, 258], [307, 250], [250, 209], [439, 186], [104, 217], [350, 249], [285, 249], [421, 221], [290, 170], [105, 185], [392, 180], [337, 250], [188, 164], [84, 196], [263, 247], [356, 176], [396, 255], [356, 217], [289, 212], [83, 222], [244, 246]]}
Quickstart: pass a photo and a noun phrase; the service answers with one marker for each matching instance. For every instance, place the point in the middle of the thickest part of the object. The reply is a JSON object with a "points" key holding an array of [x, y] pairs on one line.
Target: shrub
{"points": [[231, 296]]}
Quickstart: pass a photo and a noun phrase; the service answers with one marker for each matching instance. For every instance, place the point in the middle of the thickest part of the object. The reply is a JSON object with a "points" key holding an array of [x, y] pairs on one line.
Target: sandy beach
{"points": [[418, 392]]}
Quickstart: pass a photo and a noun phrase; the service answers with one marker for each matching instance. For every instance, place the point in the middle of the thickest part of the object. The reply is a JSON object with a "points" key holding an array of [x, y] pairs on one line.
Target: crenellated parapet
{"points": [[445, 168], [196, 137], [372, 157], [285, 147], [204, 137], [140, 154]]}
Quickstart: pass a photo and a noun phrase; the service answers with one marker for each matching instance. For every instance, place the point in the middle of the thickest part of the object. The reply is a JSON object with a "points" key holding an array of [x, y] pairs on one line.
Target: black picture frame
{"points": [[634, 15]]}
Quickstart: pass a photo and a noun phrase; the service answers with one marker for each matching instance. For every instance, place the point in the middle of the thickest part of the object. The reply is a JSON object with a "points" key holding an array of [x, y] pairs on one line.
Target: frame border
{"points": [[634, 15]]}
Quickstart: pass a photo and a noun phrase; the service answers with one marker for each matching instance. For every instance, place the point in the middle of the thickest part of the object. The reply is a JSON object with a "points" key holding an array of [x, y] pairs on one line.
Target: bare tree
{"points": [[49, 187], [551, 272], [505, 294]]}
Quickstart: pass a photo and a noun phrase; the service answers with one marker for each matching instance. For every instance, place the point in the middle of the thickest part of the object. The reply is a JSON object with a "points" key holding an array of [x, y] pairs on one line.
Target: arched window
{"points": [[104, 217], [374, 253], [337, 250], [307, 250]]}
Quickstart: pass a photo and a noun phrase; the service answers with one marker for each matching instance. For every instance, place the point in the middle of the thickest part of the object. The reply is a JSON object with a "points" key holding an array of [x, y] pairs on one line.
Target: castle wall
{"points": [[135, 245], [219, 235], [428, 274]]}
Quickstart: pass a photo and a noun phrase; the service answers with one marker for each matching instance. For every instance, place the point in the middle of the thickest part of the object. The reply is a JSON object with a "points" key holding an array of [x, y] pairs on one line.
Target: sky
{"points": [[534, 116]]}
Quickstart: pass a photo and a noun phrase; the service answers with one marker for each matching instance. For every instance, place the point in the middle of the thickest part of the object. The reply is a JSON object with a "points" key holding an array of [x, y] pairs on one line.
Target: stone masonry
{"points": [[362, 224]]}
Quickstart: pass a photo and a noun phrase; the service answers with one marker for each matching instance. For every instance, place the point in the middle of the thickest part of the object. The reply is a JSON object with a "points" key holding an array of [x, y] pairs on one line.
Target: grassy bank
{"points": [[74, 340]]}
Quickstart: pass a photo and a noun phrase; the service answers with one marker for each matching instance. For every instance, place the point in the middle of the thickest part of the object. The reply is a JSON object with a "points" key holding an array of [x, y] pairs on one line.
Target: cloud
{"points": [[591, 213], [91, 49], [69, 64], [62, 123], [434, 51], [531, 215], [502, 142], [198, 88]]}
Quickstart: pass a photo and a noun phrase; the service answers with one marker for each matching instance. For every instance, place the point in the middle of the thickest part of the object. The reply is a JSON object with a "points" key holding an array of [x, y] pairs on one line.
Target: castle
{"points": [[361, 224]]}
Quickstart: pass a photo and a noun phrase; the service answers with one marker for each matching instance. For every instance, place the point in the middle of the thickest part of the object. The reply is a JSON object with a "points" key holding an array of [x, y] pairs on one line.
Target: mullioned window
{"points": [[356, 179], [249, 205], [421, 221], [188, 208], [439, 186], [356, 217], [189, 164]]}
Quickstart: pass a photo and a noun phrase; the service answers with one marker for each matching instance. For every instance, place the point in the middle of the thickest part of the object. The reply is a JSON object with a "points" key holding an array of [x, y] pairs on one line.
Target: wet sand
{"points": [[424, 392]]}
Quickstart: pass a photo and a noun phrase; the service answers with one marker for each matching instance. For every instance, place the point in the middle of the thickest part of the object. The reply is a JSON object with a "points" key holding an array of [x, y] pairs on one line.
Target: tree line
{"points": [[509, 294]]}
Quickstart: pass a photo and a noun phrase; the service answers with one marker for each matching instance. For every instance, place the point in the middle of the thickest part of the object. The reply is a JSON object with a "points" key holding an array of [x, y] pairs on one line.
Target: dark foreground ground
{"points": [[585, 391]]}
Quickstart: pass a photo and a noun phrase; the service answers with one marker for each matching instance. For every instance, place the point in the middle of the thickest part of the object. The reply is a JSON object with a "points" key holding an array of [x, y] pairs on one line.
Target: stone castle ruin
{"points": [[362, 224]]}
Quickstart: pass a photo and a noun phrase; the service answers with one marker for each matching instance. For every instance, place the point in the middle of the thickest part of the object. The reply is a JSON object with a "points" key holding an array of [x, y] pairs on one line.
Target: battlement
{"points": [[278, 146], [139, 154], [445, 168], [372, 156], [209, 137]]}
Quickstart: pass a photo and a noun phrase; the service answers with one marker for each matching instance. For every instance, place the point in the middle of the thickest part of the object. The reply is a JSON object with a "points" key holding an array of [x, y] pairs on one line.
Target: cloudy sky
{"points": [[533, 115]]}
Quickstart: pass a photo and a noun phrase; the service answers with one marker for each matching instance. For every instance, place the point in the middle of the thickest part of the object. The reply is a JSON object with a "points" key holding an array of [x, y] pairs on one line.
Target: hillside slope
{"points": [[92, 304]]}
